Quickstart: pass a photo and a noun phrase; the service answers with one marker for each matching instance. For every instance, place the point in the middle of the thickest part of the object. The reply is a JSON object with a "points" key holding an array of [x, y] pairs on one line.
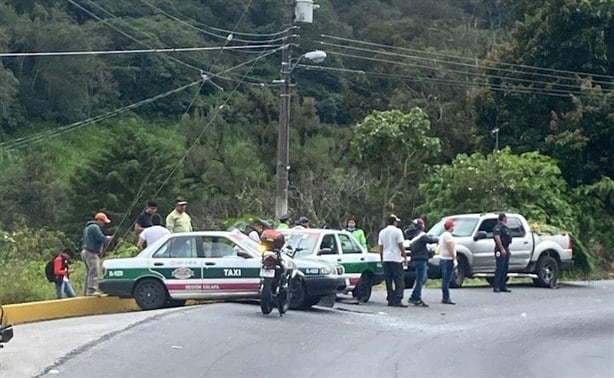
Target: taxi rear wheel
{"points": [[150, 294]]}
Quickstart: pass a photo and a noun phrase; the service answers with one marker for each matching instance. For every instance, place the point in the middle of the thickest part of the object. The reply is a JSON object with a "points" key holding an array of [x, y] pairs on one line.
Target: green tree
{"points": [[395, 147], [529, 183], [564, 35], [133, 168]]}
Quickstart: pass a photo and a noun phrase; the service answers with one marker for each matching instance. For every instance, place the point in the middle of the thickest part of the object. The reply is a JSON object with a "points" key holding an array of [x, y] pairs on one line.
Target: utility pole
{"points": [[283, 135]]}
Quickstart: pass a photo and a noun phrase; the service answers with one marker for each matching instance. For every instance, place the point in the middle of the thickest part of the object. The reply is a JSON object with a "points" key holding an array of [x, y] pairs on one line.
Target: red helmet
{"points": [[272, 240]]}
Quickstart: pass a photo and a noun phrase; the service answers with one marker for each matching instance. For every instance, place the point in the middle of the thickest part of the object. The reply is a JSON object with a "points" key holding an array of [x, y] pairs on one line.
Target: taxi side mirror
{"points": [[325, 251], [244, 254]]}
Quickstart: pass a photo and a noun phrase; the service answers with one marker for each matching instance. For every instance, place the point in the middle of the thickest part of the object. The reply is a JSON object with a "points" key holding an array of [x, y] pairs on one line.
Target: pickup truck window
{"points": [[463, 227], [516, 228], [488, 225]]}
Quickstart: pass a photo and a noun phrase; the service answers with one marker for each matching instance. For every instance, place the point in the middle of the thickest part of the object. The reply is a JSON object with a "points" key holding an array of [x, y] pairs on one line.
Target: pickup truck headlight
{"points": [[325, 271]]}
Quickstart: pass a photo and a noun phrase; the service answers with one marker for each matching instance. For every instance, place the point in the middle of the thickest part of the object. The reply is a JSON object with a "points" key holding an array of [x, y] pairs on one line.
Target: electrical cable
{"points": [[469, 59], [467, 65], [137, 51], [426, 79], [230, 34], [450, 70]]}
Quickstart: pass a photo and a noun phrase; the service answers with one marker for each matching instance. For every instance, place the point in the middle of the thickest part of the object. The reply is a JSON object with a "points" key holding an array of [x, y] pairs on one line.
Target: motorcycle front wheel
{"points": [[283, 301], [266, 297]]}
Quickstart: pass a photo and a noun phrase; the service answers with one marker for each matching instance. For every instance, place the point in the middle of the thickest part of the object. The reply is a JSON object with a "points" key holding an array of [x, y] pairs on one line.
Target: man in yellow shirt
{"points": [[178, 220]]}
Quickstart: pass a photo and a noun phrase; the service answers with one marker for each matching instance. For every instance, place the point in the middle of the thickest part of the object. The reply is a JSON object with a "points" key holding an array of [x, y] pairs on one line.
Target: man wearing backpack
{"points": [[58, 272], [94, 241]]}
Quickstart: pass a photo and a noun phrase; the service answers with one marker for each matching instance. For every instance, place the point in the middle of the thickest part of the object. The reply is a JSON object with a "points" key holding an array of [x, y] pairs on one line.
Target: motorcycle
{"points": [[275, 278], [6, 331]]}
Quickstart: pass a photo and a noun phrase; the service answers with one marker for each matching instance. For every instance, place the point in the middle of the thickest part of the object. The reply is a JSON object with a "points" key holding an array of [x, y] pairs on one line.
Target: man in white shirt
{"points": [[447, 260], [149, 235], [392, 255]]}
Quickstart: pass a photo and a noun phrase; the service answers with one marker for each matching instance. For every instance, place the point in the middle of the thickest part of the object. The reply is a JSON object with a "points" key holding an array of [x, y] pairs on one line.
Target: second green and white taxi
{"points": [[209, 265], [362, 269]]}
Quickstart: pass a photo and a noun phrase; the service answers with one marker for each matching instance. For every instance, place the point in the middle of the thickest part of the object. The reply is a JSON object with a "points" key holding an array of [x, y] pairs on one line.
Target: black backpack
{"points": [[49, 271]]}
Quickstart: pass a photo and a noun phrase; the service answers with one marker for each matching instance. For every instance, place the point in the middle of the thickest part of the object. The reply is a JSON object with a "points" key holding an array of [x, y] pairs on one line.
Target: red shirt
{"points": [[60, 267]]}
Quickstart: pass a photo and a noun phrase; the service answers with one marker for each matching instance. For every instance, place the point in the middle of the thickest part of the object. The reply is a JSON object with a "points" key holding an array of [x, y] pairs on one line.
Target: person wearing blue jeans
{"points": [[419, 257], [447, 255], [61, 272], [393, 258]]}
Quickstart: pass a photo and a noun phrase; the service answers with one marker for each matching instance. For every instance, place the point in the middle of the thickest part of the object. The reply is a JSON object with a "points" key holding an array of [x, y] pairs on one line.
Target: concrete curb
{"points": [[66, 308]]}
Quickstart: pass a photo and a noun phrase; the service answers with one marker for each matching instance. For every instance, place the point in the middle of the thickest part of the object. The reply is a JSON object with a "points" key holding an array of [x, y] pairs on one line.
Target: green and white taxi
{"points": [[208, 265], [363, 269]]}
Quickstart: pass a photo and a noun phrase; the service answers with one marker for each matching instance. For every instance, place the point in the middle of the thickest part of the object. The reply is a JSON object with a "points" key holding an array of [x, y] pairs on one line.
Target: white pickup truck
{"points": [[535, 255]]}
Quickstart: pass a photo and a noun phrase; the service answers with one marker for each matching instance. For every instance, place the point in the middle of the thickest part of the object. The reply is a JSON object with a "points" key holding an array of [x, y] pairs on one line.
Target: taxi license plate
{"points": [[267, 273]]}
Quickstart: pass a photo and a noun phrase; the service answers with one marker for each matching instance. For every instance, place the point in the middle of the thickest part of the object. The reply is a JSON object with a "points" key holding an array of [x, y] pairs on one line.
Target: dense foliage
{"points": [[411, 91]]}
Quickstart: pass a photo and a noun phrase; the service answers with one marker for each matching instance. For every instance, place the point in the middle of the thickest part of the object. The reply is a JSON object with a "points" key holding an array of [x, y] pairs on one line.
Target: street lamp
{"points": [[283, 135]]}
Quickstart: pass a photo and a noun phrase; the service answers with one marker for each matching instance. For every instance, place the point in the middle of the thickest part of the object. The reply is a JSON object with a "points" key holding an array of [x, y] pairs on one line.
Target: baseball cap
{"points": [[448, 223], [302, 220], [102, 217], [181, 201], [284, 217], [393, 217]]}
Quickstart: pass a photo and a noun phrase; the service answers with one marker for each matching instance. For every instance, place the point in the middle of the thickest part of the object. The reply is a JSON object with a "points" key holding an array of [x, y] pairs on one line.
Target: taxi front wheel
{"points": [[150, 294]]}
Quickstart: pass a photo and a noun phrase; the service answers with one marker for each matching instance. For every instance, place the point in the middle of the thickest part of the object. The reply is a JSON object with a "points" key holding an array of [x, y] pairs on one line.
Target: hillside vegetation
{"points": [[421, 108]]}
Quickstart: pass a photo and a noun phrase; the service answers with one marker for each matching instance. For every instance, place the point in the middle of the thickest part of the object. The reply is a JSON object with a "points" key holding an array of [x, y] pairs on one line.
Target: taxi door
{"points": [[229, 270], [178, 261], [353, 258]]}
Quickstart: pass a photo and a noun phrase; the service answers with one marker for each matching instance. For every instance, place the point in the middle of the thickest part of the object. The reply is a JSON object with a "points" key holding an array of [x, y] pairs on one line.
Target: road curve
{"points": [[531, 332]]}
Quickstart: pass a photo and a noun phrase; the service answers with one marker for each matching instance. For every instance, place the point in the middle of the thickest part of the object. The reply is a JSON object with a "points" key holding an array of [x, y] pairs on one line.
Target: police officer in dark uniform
{"points": [[503, 239]]}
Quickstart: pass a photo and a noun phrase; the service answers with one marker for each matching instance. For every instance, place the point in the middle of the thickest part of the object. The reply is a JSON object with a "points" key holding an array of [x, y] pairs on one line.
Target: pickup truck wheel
{"points": [[547, 270], [458, 274], [362, 291]]}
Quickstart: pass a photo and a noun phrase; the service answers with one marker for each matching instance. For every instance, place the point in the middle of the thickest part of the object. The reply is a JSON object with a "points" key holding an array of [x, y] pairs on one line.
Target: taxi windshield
{"points": [[301, 244], [462, 227], [245, 241]]}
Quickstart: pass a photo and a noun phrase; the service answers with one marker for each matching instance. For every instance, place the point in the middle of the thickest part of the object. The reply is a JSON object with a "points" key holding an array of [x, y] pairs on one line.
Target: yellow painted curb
{"points": [[66, 308]]}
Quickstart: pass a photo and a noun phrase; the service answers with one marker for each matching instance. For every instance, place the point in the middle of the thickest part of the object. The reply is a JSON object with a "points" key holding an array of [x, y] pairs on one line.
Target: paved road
{"points": [[531, 332]]}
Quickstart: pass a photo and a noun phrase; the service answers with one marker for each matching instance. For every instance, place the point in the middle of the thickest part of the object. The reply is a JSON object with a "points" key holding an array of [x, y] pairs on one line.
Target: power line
{"points": [[137, 51], [220, 29], [20, 142], [230, 34], [452, 70], [469, 66], [469, 59], [427, 79]]}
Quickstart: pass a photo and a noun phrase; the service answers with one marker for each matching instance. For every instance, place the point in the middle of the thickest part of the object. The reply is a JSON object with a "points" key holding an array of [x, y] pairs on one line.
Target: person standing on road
{"points": [[447, 260], [144, 219], [153, 233], [503, 239], [352, 227], [178, 220], [94, 242], [419, 257], [61, 272], [392, 256], [283, 222]]}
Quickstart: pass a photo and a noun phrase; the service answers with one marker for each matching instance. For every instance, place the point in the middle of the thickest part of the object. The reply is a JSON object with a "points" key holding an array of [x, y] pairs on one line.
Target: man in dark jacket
{"points": [[94, 241], [419, 257]]}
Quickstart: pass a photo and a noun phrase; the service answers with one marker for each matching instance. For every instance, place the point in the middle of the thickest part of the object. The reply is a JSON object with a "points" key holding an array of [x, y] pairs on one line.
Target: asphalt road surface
{"points": [[531, 332]]}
